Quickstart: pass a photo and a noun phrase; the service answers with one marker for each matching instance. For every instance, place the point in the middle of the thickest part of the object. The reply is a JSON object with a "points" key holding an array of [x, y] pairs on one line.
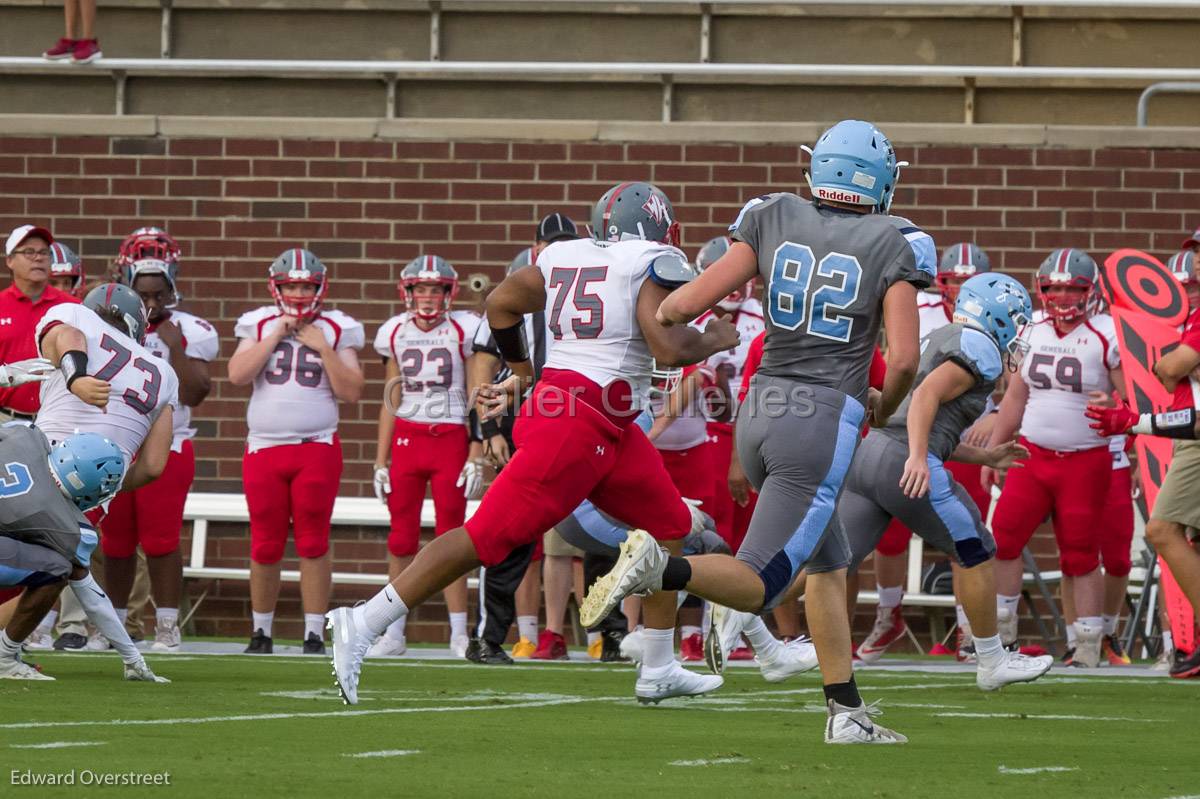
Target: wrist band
{"points": [[512, 343], [474, 433], [73, 366], [1172, 424]]}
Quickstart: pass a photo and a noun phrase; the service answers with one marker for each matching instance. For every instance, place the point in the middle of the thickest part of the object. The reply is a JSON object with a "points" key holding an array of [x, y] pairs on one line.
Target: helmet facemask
{"points": [[426, 308], [303, 308], [1068, 305]]}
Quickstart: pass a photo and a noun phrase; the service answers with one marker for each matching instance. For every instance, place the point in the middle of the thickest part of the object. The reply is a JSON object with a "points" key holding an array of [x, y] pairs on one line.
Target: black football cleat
{"points": [[314, 645], [1186, 667], [260, 644], [487, 653], [610, 649], [71, 642]]}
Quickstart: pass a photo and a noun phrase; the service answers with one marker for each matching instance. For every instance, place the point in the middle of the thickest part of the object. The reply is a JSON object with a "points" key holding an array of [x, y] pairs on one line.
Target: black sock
{"points": [[677, 574], [844, 693]]}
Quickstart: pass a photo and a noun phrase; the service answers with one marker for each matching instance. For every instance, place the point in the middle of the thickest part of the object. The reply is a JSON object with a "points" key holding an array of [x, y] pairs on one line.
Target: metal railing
{"points": [[1169, 87], [666, 74]]}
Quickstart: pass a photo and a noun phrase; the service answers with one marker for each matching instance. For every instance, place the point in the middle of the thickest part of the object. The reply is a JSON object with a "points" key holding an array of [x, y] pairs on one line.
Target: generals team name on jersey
{"points": [[826, 271], [34, 509], [974, 351], [591, 309], [292, 400], [1060, 371], [142, 385], [200, 341], [433, 365]]}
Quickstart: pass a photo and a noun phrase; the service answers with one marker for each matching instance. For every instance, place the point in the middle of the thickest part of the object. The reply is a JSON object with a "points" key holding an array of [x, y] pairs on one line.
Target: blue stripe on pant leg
{"points": [[11, 575], [778, 574], [955, 515]]}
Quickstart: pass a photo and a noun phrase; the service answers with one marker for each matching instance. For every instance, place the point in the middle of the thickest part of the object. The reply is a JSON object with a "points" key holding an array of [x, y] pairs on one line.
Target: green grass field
{"points": [[231, 726]]}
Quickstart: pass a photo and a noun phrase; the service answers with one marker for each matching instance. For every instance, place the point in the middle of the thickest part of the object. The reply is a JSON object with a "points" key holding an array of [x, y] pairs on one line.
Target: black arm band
{"points": [[1174, 424], [73, 366], [490, 428], [514, 348], [474, 433]]}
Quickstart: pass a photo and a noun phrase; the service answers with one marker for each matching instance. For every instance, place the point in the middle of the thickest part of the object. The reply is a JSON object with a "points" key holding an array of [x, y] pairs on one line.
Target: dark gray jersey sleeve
{"points": [[746, 227]]}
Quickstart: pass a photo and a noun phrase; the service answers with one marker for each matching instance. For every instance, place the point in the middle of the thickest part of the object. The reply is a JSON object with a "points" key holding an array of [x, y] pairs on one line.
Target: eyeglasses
{"points": [[32, 254]]}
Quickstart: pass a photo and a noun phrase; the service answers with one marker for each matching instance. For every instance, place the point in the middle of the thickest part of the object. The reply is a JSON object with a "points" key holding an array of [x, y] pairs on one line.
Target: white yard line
{"points": [[716, 761], [57, 745], [1044, 717], [385, 753], [1037, 770]]}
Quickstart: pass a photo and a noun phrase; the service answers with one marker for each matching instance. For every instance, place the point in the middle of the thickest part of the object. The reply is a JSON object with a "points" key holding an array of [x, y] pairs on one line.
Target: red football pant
{"points": [[732, 519], [292, 485], [563, 458], [421, 454], [153, 514], [1071, 488], [968, 475], [1116, 524], [691, 472]]}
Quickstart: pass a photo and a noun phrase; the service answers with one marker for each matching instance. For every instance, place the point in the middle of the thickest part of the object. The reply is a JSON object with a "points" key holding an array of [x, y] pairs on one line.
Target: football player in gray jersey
{"points": [[46, 542], [834, 268], [899, 471]]}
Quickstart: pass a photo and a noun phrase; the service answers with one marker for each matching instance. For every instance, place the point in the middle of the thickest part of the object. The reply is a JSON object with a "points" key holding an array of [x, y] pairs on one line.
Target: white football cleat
{"points": [[350, 642], [633, 646], [854, 725], [13, 668], [387, 646], [639, 571], [1014, 667], [459, 644], [140, 672], [1089, 640], [723, 635], [167, 638], [794, 657], [653, 686], [39, 639]]}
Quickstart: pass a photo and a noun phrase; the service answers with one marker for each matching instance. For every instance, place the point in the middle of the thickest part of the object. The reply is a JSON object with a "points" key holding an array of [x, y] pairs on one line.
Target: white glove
{"points": [[140, 672], [383, 484], [31, 370], [699, 520], [470, 479]]}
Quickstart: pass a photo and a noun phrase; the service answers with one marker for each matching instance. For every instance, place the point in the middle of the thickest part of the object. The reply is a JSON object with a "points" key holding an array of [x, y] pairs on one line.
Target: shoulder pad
{"points": [[672, 270]]}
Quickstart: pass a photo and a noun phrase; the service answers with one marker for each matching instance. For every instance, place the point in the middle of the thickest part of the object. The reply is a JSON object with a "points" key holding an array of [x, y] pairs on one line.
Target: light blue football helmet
{"points": [[853, 162], [89, 468], [998, 305]]}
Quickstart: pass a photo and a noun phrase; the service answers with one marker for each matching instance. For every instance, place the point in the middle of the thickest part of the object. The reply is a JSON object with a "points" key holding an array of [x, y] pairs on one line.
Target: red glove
{"points": [[1111, 421]]}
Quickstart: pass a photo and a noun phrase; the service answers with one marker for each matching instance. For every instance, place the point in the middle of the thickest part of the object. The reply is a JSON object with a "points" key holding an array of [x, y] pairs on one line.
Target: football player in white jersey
{"points": [[66, 270], [152, 516], [576, 437], [302, 360], [423, 432], [1072, 358]]}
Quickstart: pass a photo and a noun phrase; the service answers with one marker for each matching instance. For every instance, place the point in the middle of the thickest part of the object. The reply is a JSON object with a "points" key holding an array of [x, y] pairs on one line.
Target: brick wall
{"points": [[366, 207]]}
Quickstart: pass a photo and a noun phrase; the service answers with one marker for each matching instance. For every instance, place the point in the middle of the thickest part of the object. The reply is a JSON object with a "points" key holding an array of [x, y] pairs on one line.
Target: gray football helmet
{"points": [[1182, 267], [428, 269], [1067, 267], [154, 266], [298, 266], [65, 263], [635, 211], [122, 302], [524, 258]]}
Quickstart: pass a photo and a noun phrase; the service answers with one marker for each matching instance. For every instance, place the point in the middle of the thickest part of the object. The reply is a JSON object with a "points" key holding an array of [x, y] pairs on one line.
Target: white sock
{"points": [[1168, 641], [960, 615], [593, 637], [1110, 624], [262, 621], [381, 610], [1072, 636], [8, 647], [890, 597], [100, 613], [763, 643], [1094, 622], [1008, 603], [165, 617], [658, 650], [47, 623], [395, 630], [314, 623], [527, 627], [458, 624], [706, 619], [988, 651], [688, 630], [123, 614]]}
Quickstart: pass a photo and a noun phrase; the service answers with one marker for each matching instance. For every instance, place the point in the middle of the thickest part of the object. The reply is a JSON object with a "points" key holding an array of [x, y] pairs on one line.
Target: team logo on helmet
{"points": [[656, 206]]}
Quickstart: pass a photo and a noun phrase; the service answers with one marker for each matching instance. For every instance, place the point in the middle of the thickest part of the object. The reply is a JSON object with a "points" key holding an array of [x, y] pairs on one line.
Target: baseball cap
{"points": [[1192, 242], [18, 236], [556, 226]]}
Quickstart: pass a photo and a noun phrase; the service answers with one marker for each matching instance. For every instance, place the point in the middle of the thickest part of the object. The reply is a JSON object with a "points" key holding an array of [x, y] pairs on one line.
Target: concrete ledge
{"points": [[584, 130]]}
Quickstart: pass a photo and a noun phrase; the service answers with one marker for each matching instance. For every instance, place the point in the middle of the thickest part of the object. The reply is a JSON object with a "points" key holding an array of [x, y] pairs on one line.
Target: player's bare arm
{"points": [[901, 325], [394, 388], [251, 356], [345, 374], [1176, 365], [194, 379], [677, 402], [1008, 422], [680, 345], [943, 384], [66, 346], [732, 270], [522, 292], [482, 368], [152, 456]]}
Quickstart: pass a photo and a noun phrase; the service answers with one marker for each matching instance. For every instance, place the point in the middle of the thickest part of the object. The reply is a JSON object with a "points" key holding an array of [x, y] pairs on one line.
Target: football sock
{"points": [[527, 627], [8, 647], [100, 613], [314, 623], [1091, 622], [659, 648], [1008, 603], [123, 614], [760, 638], [688, 630], [961, 616], [458, 624], [262, 621], [1168, 641], [844, 693], [1110, 624], [890, 597], [381, 610], [47, 623], [677, 574], [989, 651], [1071, 636], [396, 629]]}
